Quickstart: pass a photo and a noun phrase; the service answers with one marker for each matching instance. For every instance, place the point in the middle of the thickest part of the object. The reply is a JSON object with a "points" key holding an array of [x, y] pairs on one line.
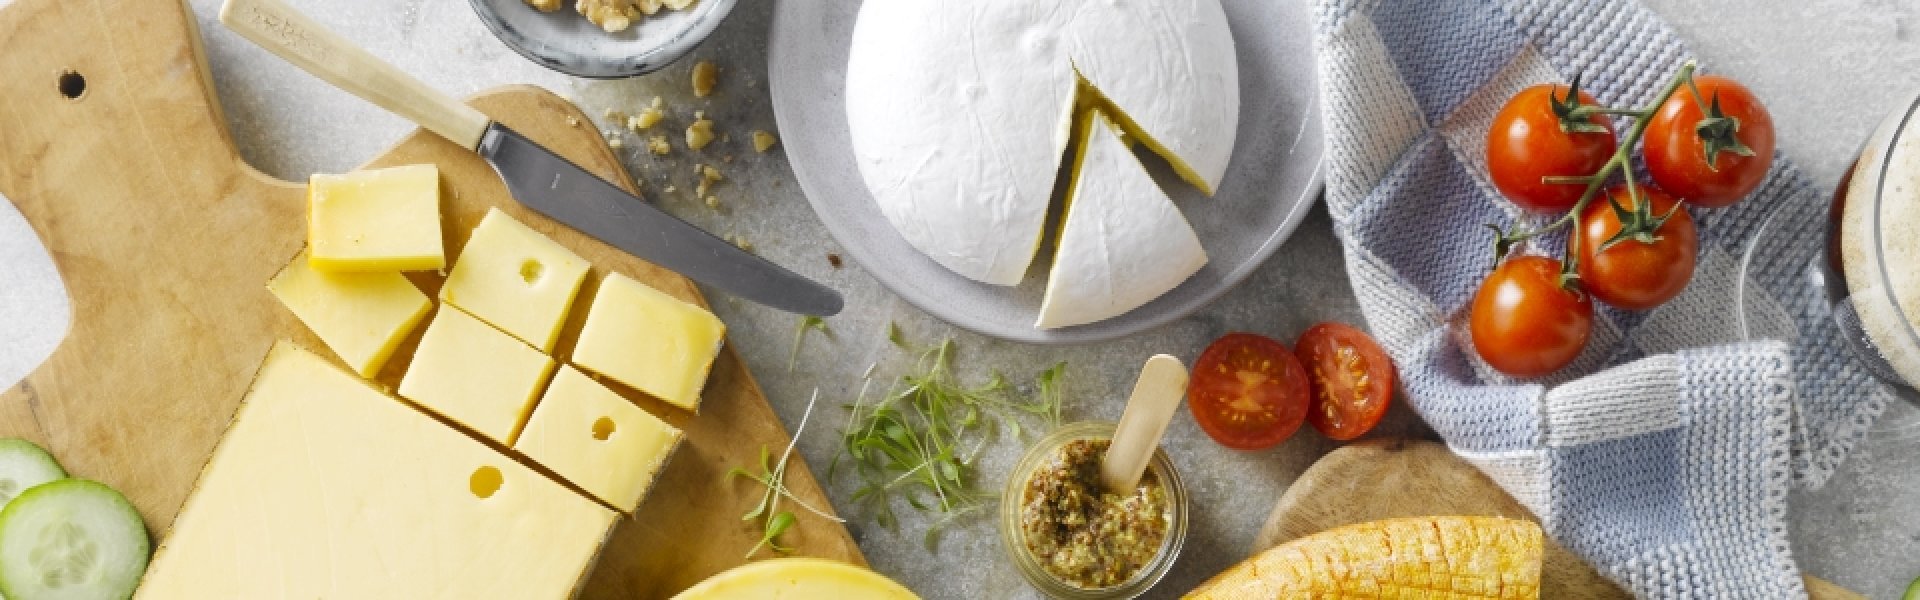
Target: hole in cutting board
{"points": [[72, 84], [485, 481], [602, 428], [530, 271]]}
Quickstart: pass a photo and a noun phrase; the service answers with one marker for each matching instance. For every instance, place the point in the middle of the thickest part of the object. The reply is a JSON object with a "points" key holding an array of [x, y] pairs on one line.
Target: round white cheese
{"points": [[1123, 243], [959, 111]]}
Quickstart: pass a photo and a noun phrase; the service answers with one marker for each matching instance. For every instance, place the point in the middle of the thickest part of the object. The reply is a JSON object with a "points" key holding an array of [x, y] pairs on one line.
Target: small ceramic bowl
{"points": [[564, 41]]}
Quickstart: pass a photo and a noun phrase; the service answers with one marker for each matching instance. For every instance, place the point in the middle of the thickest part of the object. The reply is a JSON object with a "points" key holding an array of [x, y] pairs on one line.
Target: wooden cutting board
{"points": [[166, 239], [1382, 479]]}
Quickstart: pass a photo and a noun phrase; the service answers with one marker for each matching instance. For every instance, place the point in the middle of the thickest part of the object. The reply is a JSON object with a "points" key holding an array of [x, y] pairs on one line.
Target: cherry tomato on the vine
{"points": [[1526, 142], [1676, 145], [1248, 392], [1633, 274], [1351, 377], [1524, 324]]}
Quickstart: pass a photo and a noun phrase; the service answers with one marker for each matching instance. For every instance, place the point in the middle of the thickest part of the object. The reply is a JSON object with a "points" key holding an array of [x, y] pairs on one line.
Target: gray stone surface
{"points": [[1828, 69]]}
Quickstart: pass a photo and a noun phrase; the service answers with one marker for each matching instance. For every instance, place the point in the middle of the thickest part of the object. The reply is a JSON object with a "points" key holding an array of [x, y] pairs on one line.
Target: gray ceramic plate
{"points": [[564, 41], [1271, 182]]}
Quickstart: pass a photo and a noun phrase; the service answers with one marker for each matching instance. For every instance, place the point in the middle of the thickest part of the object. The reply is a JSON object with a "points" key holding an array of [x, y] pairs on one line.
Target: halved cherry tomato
{"points": [[1351, 378], [1676, 149], [1526, 143], [1636, 275], [1248, 391], [1524, 323]]}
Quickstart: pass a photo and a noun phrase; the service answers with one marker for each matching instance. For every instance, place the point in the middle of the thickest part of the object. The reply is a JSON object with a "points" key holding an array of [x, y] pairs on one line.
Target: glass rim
{"points": [[1880, 262]]}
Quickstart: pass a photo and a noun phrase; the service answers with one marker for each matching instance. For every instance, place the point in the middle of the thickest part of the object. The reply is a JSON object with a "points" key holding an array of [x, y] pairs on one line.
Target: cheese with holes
{"points": [[471, 373], [323, 487], [650, 341], [597, 439], [361, 316], [1123, 242], [797, 579], [378, 220], [959, 112], [515, 279]]}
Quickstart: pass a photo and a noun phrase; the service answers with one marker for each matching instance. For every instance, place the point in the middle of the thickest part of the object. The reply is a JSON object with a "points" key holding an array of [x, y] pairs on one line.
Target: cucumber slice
{"points": [[1913, 591], [71, 539], [24, 465]]}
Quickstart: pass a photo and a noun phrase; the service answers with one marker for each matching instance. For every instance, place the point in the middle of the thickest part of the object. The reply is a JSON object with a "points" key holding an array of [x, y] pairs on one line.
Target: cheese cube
{"points": [[650, 341], [325, 488], [516, 279], [381, 220], [361, 316], [597, 439], [475, 375]]}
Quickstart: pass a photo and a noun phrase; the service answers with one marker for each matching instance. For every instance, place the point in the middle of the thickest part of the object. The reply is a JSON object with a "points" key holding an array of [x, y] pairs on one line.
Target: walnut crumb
{"points": [[713, 202], [705, 75], [613, 139], [833, 259], [700, 133], [659, 145], [762, 140]]}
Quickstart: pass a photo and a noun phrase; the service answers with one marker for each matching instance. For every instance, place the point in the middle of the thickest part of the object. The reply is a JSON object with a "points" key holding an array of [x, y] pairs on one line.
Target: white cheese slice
{"points": [[959, 111], [1122, 243]]}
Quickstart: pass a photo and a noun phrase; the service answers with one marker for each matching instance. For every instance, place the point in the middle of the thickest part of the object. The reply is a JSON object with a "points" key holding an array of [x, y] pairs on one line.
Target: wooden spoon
{"points": [[1161, 387]]}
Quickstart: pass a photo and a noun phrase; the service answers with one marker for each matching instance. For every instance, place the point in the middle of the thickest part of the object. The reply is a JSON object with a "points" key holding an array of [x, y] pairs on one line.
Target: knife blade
{"points": [[536, 177]]}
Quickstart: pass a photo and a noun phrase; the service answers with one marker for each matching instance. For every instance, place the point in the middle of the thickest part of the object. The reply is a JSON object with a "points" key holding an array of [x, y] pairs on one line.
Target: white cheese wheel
{"points": [[1124, 242], [959, 111]]}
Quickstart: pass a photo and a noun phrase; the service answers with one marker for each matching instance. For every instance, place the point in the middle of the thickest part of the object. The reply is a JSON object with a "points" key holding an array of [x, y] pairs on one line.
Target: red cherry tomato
{"points": [[1248, 392], [1351, 378], [1676, 152], [1524, 323], [1526, 143], [1636, 275]]}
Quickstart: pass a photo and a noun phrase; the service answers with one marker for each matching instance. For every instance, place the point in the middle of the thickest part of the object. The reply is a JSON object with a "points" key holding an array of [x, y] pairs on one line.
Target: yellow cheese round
{"points": [[798, 579]]}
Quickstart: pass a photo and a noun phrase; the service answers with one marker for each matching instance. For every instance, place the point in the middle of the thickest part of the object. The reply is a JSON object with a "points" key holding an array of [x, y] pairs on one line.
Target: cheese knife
{"points": [[537, 178]]}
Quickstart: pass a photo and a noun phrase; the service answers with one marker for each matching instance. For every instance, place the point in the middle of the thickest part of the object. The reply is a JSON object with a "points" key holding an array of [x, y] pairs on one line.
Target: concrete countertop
{"points": [[1829, 69]]}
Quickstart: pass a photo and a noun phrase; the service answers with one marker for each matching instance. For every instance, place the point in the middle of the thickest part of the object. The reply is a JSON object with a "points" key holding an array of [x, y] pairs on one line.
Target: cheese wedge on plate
{"points": [[378, 220], [361, 316], [515, 279], [959, 112], [325, 488], [467, 371], [1123, 242], [597, 439]]}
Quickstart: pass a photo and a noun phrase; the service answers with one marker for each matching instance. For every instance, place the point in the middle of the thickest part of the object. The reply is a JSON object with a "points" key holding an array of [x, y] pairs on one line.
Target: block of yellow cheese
{"points": [[649, 340], [323, 487], [468, 371], [361, 316], [597, 439], [516, 279], [797, 579], [378, 220]]}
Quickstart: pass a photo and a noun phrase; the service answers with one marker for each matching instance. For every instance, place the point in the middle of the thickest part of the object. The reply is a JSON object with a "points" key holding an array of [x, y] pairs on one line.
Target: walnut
{"points": [[544, 5], [763, 140], [705, 75], [700, 133]]}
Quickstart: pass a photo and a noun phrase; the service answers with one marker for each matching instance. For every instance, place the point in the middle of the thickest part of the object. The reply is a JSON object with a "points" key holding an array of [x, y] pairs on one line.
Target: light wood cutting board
{"points": [[1382, 479], [166, 239]]}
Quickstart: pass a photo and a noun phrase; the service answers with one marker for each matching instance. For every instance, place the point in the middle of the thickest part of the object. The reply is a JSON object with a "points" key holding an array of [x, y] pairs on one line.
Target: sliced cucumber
{"points": [[1913, 591], [71, 539], [24, 465]]}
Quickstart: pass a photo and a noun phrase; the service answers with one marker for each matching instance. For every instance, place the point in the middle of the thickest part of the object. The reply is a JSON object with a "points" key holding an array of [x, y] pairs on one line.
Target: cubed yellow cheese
{"points": [[797, 579], [650, 341], [380, 220], [361, 316], [597, 439], [325, 488], [470, 372], [516, 279]]}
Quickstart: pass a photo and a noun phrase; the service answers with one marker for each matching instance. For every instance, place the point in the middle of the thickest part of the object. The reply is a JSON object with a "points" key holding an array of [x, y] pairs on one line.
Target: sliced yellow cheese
{"points": [[516, 279], [797, 579], [379, 220], [361, 316], [597, 439], [471, 373], [649, 341], [325, 488]]}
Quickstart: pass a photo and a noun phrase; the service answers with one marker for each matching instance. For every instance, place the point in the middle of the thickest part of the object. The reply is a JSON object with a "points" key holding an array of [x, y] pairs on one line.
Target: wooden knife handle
{"points": [[291, 35]]}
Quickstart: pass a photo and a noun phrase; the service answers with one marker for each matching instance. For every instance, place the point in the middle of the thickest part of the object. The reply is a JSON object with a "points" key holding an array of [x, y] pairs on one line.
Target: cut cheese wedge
{"points": [[325, 488], [515, 279], [1122, 243], [378, 220], [597, 439], [361, 316], [797, 579], [471, 373], [650, 341], [959, 111]]}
